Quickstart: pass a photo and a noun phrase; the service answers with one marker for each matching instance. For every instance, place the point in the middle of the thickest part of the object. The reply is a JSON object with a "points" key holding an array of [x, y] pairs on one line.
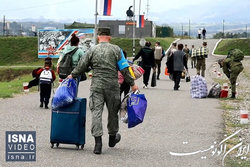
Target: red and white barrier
{"points": [[244, 117], [218, 74]]}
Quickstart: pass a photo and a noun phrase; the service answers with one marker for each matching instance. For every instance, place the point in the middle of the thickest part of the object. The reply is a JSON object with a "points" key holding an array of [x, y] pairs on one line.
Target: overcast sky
{"points": [[160, 11]]}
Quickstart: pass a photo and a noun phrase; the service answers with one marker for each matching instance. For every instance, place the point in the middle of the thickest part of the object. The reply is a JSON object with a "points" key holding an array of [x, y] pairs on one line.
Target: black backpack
{"points": [[34, 72], [66, 65], [214, 92]]}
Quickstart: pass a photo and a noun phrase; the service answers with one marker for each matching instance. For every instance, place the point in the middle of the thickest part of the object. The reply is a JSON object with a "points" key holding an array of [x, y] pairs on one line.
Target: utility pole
{"points": [[3, 25], [139, 16], [223, 29], [134, 30], [246, 31], [147, 8], [95, 31], [189, 29], [182, 30]]}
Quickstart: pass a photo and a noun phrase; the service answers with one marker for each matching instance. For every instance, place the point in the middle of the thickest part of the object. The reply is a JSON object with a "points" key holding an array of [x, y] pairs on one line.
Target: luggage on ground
{"points": [[198, 87], [68, 124], [215, 90]]}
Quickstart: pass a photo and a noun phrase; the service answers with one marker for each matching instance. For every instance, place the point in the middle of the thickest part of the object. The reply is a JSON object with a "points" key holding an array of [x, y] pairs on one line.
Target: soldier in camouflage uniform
{"points": [[202, 54], [103, 60], [232, 67]]}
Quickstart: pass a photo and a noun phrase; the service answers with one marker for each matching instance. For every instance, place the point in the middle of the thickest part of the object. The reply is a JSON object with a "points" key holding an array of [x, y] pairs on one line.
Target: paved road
{"points": [[174, 122]]}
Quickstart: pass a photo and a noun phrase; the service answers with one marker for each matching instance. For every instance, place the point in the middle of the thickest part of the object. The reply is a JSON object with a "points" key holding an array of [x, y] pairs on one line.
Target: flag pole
{"points": [[134, 30], [95, 31]]}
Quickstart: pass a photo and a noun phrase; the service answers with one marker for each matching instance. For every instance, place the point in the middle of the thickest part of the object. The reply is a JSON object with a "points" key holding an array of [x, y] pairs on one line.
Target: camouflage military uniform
{"points": [[232, 67], [103, 59], [201, 54]]}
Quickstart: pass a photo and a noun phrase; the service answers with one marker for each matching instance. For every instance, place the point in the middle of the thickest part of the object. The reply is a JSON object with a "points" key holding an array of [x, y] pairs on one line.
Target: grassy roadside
{"points": [[226, 44], [12, 79], [22, 51], [231, 116]]}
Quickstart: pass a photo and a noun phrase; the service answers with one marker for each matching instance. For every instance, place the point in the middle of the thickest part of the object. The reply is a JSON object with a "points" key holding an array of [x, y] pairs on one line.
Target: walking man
{"points": [[193, 57], [148, 61], [104, 59], [202, 54], [159, 54], [204, 33]]}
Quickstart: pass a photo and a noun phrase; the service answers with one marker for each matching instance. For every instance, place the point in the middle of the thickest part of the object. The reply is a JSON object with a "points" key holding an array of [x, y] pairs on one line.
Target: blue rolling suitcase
{"points": [[68, 124]]}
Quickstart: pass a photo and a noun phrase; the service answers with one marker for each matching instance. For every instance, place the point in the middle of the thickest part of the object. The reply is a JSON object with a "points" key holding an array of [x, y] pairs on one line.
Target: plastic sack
{"points": [[138, 71], [65, 94], [136, 107], [198, 87], [123, 110], [215, 90]]}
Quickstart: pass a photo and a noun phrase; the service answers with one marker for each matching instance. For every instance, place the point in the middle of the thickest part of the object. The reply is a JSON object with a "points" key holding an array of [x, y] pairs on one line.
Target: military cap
{"points": [[104, 31]]}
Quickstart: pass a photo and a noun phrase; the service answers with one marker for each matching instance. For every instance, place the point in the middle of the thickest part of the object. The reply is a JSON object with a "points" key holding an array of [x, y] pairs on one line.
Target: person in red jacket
{"points": [[46, 78]]}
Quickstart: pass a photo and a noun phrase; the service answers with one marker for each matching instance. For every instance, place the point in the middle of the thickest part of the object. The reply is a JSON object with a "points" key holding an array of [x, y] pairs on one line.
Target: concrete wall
{"points": [[147, 31]]}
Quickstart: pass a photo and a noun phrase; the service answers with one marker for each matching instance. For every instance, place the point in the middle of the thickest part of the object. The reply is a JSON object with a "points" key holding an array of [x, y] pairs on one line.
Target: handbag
{"points": [[136, 108], [183, 74], [153, 80]]}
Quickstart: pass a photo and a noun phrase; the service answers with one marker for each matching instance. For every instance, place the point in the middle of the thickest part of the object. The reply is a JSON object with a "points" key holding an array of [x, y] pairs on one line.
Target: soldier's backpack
{"points": [[158, 53], [66, 65], [45, 77], [215, 90]]}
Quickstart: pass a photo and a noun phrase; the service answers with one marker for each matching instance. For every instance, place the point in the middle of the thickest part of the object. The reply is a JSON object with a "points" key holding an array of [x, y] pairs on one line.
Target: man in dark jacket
{"points": [[148, 61], [179, 60]]}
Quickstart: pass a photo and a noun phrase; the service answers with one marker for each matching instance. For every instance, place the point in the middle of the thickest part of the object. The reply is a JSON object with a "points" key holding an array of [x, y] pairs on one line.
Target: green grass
{"points": [[8, 74], [227, 44], [13, 87], [9, 89], [24, 50], [19, 51], [237, 163]]}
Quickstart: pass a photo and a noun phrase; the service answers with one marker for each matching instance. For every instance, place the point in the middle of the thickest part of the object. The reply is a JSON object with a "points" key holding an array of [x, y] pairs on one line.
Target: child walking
{"points": [[47, 76]]}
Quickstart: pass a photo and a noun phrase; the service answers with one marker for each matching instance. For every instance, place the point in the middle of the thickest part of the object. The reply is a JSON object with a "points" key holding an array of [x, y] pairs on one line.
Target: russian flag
{"points": [[105, 7], [140, 21]]}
